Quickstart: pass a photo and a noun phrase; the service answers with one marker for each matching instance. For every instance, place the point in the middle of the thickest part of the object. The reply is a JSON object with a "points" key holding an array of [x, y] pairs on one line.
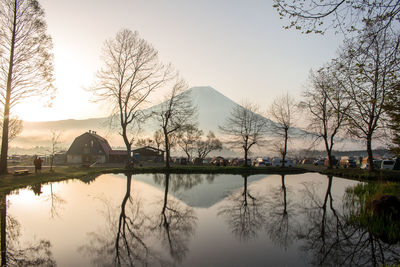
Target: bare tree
{"points": [[325, 104], [187, 139], [281, 112], [130, 73], [369, 65], [174, 114], [204, 147], [26, 63], [317, 16], [54, 149], [158, 138], [245, 128]]}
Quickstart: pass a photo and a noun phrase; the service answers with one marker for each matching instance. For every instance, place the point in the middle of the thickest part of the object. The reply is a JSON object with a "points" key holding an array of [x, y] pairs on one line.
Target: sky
{"points": [[238, 47]]}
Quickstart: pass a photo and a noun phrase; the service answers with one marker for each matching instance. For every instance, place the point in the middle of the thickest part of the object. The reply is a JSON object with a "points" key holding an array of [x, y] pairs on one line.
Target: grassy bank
{"points": [[360, 174], [386, 226], [10, 182]]}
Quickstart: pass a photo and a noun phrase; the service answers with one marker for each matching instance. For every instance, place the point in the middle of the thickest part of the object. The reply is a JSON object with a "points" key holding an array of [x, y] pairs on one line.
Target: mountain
{"points": [[213, 109]]}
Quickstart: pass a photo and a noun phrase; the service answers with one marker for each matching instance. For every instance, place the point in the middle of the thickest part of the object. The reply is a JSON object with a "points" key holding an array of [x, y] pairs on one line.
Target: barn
{"points": [[88, 148], [91, 147]]}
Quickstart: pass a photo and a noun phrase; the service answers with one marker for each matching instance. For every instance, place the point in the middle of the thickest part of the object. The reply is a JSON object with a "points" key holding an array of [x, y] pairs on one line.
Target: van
{"points": [[387, 164]]}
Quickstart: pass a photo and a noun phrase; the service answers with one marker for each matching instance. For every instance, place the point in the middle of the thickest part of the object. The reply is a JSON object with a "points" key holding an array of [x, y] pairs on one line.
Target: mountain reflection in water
{"points": [[188, 220]]}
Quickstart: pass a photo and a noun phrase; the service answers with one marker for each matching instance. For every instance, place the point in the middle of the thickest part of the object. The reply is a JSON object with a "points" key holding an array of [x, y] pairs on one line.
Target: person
{"points": [[38, 164]]}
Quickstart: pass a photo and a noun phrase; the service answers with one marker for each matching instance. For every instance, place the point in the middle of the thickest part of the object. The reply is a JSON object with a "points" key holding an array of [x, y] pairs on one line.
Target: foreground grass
{"points": [[361, 197], [10, 182]]}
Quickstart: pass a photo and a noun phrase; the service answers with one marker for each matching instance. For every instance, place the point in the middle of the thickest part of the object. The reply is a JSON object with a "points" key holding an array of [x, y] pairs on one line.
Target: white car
{"points": [[387, 164]]}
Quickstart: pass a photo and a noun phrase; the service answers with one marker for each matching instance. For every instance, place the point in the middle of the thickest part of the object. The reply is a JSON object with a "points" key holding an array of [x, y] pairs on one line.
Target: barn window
{"points": [[91, 143]]}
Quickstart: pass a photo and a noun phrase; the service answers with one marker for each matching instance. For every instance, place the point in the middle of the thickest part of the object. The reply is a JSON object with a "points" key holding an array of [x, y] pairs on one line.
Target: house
{"points": [[148, 153], [88, 148]]}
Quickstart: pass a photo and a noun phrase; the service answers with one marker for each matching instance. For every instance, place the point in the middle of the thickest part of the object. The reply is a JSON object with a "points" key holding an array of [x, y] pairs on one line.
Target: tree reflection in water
{"points": [[121, 243], [126, 241], [331, 241], [12, 252], [244, 213], [280, 225], [177, 222]]}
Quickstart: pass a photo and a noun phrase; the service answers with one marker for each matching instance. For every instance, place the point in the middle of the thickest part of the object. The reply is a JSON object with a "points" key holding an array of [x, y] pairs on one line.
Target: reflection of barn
{"points": [[91, 147]]}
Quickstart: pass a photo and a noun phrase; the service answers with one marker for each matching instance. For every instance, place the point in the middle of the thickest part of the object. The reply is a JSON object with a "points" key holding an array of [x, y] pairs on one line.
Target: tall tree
{"points": [[368, 66], [318, 16], [26, 61], [175, 113], [282, 112], [392, 109], [325, 104], [245, 128], [131, 71]]}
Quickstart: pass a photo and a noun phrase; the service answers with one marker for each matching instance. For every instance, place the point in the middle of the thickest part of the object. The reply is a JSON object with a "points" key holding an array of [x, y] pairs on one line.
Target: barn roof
{"points": [[75, 147], [148, 148], [103, 142]]}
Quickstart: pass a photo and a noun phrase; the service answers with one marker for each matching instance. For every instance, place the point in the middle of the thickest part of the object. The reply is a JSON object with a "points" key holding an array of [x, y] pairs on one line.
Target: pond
{"points": [[188, 220]]}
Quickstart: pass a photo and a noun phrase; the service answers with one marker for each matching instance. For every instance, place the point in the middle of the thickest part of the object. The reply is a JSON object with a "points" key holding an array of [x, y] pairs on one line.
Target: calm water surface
{"points": [[189, 220]]}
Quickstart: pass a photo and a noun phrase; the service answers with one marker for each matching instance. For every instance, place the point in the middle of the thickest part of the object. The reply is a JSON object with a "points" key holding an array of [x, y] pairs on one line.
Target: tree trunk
{"points": [[122, 217], [245, 157], [129, 159], [284, 148], [245, 189], [167, 148], [328, 152], [371, 166], [284, 195], [3, 211], [6, 115], [165, 193]]}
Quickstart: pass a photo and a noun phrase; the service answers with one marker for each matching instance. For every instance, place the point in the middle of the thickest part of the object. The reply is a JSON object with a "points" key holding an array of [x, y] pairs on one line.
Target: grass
{"points": [[362, 196], [10, 182], [360, 174]]}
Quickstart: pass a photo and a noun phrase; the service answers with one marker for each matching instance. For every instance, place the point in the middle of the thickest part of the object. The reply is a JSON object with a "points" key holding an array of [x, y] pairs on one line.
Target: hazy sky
{"points": [[237, 47]]}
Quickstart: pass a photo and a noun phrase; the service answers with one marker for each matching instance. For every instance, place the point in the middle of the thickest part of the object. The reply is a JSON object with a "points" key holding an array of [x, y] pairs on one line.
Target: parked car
{"points": [[262, 161], [277, 162], [319, 162], [365, 164], [348, 162], [259, 164], [387, 164]]}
